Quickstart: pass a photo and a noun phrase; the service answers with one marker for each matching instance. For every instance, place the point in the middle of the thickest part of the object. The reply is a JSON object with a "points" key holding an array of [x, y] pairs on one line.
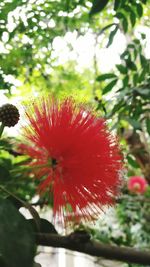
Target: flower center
{"points": [[136, 187], [54, 162]]}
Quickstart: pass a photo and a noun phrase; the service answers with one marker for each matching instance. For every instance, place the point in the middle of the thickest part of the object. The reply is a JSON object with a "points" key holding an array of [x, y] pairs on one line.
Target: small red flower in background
{"points": [[74, 157], [137, 184]]}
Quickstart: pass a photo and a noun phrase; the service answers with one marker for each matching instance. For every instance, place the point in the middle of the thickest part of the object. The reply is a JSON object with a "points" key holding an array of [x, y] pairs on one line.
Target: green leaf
{"points": [[143, 36], [107, 27], [127, 8], [131, 65], [125, 81], [143, 60], [135, 124], [135, 78], [123, 19], [132, 162], [120, 15], [139, 9], [4, 169], [109, 86], [148, 125], [132, 18], [6, 162], [130, 10], [131, 46], [117, 107], [105, 76], [122, 69], [4, 174], [136, 41], [112, 35], [17, 244], [45, 226], [98, 6], [142, 75], [125, 24], [117, 4], [2, 263], [135, 53], [125, 55], [143, 91], [5, 144], [15, 202]]}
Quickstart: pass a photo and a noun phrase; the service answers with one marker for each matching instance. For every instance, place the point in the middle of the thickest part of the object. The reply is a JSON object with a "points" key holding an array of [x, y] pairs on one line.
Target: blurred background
{"points": [[97, 51]]}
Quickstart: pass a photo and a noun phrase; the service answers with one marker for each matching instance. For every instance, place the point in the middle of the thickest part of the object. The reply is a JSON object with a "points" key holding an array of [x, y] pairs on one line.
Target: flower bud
{"points": [[9, 115]]}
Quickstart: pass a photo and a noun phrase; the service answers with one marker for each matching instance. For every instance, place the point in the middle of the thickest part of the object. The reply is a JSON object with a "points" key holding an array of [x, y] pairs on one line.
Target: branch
{"points": [[94, 248]]}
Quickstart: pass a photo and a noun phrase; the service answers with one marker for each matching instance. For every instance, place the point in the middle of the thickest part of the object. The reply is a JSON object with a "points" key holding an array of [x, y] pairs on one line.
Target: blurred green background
{"points": [[98, 52]]}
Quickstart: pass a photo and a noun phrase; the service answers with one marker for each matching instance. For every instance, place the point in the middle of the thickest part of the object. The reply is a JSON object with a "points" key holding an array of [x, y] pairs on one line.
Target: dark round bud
{"points": [[9, 115], [96, 98]]}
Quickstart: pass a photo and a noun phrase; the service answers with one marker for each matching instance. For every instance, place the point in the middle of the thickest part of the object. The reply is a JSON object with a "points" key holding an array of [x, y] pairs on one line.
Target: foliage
{"points": [[17, 241], [28, 30], [28, 65], [134, 72]]}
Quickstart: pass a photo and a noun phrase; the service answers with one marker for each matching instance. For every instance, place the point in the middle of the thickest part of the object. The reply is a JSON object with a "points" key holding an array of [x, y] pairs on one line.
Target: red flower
{"points": [[137, 184], [74, 157]]}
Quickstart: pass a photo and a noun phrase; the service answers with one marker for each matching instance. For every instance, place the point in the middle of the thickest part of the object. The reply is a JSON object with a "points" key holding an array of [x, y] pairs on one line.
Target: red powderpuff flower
{"points": [[137, 184], [74, 157]]}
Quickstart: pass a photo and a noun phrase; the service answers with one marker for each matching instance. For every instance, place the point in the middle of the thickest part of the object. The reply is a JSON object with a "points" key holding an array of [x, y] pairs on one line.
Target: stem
{"points": [[1, 129]]}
